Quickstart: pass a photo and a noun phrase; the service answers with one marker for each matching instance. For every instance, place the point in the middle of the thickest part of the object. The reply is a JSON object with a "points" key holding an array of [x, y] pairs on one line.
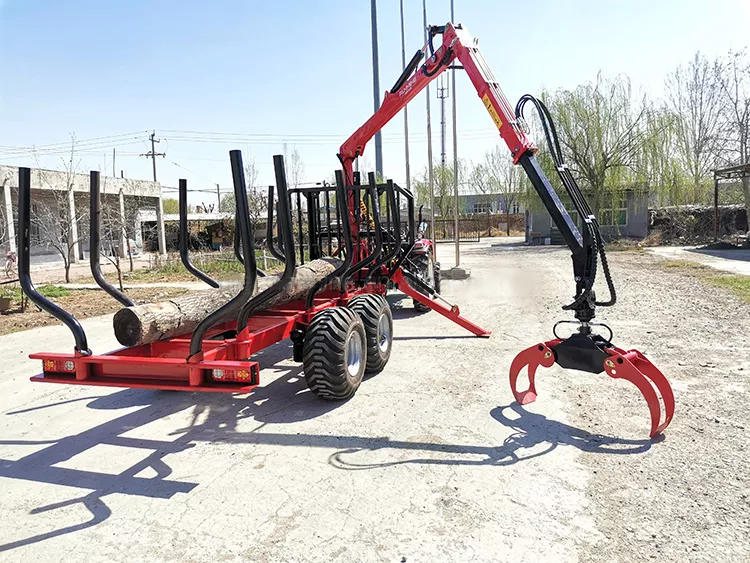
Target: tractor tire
{"points": [[334, 355], [436, 276], [426, 265], [376, 315]]}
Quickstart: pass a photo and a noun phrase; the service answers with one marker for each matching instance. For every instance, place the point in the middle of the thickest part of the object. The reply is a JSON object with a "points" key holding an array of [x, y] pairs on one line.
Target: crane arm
{"points": [[458, 45]]}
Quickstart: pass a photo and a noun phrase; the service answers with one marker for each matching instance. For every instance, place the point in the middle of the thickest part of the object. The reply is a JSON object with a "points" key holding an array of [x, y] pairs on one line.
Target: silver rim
{"points": [[353, 354], [384, 333]]}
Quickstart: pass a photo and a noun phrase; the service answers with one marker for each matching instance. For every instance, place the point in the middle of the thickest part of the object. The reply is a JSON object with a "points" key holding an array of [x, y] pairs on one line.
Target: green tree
{"points": [[171, 206], [601, 128]]}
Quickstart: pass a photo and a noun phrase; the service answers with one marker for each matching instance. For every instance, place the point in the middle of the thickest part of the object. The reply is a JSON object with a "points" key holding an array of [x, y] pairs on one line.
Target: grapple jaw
{"points": [[592, 353]]}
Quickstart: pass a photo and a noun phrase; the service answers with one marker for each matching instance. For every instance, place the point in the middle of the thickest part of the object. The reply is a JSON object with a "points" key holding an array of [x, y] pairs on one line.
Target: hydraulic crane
{"points": [[585, 350]]}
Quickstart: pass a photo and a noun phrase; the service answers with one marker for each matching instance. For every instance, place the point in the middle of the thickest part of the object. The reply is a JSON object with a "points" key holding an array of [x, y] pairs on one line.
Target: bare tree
{"points": [[481, 184], [733, 77], [57, 221], [693, 94], [505, 179], [256, 195], [295, 168], [112, 230]]}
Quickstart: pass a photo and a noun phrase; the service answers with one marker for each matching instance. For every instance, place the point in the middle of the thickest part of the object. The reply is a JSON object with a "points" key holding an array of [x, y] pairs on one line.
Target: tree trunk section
{"points": [[152, 322]]}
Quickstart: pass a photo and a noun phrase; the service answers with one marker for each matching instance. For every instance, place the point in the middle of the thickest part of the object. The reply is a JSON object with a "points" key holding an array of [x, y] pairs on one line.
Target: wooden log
{"points": [[152, 322]]}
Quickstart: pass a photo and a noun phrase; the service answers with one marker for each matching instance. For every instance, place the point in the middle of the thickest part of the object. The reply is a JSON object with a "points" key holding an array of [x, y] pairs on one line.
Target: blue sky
{"points": [[300, 71]]}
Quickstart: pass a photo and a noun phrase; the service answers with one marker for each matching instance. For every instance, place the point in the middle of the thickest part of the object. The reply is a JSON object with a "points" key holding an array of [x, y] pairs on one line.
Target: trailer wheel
{"points": [[335, 353], [375, 313]]}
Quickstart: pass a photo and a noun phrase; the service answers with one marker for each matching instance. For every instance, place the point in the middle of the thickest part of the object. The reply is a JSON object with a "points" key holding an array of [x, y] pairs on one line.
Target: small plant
{"points": [[50, 290], [737, 284]]}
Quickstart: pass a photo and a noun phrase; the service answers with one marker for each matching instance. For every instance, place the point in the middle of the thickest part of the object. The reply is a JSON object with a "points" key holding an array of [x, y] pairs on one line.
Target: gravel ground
{"points": [[430, 461], [685, 497]]}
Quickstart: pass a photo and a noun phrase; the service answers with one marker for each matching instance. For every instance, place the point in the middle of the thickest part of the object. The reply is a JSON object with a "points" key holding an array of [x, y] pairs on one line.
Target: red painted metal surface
{"points": [[452, 313], [457, 44], [223, 366], [630, 365]]}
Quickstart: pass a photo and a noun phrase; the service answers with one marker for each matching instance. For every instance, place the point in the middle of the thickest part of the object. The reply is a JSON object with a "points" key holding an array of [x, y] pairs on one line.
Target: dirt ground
{"points": [[686, 497], [430, 461], [82, 303]]}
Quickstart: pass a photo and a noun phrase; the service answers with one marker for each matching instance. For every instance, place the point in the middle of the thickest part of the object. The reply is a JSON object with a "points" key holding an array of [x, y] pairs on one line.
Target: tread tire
{"points": [[324, 353], [371, 308], [425, 263]]}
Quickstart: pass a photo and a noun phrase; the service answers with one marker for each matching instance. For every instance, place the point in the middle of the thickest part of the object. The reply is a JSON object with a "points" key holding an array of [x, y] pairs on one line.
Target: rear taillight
{"points": [[241, 375], [58, 365]]}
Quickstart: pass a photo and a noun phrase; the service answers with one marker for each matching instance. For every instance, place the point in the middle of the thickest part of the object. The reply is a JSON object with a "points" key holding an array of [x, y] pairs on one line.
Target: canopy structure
{"points": [[728, 173]]}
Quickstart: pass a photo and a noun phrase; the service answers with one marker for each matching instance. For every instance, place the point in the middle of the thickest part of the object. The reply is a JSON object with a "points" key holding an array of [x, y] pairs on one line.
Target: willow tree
{"points": [[601, 128], [659, 167]]}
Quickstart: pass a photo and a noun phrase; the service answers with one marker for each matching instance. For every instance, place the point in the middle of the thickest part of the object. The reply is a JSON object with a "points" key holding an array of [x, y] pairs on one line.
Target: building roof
{"points": [[42, 179]]}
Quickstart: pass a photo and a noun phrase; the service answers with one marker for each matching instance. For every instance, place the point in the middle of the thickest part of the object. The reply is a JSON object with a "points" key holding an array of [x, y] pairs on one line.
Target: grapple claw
{"points": [[636, 368], [533, 357], [585, 351]]}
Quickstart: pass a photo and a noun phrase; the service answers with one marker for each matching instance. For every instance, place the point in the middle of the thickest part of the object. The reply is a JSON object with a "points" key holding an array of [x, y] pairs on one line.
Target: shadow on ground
{"points": [[283, 401], [739, 254]]}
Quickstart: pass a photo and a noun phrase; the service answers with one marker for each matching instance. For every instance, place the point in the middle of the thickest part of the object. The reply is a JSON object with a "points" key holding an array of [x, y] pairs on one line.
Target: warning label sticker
{"points": [[492, 111]]}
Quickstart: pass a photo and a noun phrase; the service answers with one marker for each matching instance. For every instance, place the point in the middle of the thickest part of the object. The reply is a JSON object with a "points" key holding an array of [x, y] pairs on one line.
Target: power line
{"points": [[104, 141]]}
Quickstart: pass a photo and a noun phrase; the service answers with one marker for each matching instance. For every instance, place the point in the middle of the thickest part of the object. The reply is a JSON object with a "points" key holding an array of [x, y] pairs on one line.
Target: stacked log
{"points": [[179, 316]]}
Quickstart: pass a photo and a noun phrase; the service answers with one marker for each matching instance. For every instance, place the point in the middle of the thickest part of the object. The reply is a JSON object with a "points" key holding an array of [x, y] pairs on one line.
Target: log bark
{"points": [[152, 322]]}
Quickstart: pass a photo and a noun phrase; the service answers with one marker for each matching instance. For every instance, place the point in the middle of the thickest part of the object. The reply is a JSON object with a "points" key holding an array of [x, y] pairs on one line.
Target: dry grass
{"points": [[624, 245], [81, 303], [736, 283]]}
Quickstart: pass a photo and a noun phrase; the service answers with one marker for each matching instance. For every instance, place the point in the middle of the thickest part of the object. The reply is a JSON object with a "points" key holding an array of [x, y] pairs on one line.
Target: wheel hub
{"points": [[384, 333], [353, 354]]}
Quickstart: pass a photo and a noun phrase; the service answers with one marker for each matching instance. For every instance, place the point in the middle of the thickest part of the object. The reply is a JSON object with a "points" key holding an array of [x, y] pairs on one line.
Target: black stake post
{"points": [[342, 207], [248, 252], [95, 214], [394, 221], [237, 240], [411, 229], [24, 270], [184, 238], [372, 192], [287, 238], [275, 252]]}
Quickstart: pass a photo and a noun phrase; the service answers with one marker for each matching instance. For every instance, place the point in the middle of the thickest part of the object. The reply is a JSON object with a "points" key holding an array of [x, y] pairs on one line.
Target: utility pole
{"points": [[406, 113], [160, 205], [442, 93], [153, 154], [218, 199], [429, 143], [114, 173], [376, 87], [455, 158]]}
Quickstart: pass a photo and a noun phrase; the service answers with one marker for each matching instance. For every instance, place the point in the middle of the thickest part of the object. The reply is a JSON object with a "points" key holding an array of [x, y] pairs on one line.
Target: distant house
{"points": [[481, 204], [57, 194], [624, 218], [472, 203]]}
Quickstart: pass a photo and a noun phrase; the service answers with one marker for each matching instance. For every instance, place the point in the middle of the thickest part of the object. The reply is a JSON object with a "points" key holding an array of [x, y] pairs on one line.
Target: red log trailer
{"points": [[340, 334]]}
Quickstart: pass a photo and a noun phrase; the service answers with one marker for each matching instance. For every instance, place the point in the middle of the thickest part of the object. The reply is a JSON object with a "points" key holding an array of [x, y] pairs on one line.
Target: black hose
{"points": [[592, 233]]}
